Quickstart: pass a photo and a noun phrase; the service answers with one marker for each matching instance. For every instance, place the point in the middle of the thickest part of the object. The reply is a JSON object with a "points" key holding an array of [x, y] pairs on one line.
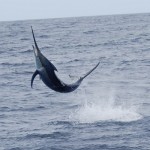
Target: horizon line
{"points": [[67, 17]]}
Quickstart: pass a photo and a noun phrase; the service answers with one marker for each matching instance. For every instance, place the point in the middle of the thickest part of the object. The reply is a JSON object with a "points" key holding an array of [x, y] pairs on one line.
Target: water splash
{"points": [[106, 110], [94, 113]]}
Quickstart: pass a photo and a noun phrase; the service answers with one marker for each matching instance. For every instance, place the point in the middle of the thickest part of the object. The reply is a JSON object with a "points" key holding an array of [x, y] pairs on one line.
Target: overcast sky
{"points": [[38, 9]]}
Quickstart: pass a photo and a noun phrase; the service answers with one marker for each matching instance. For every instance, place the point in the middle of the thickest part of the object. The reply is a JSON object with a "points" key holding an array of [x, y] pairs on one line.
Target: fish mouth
{"points": [[38, 63], [35, 51]]}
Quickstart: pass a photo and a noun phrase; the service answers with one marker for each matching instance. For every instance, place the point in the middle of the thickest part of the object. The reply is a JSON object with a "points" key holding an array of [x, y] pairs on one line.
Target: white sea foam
{"points": [[105, 110], [94, 113]]}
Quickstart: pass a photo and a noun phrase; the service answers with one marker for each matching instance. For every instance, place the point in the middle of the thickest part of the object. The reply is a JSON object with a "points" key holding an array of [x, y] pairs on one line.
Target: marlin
{"points": [[46, 70]]}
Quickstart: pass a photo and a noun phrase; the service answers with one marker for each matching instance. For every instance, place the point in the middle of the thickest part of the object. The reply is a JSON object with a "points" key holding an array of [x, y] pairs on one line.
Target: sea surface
{"points": [[111, 108]]}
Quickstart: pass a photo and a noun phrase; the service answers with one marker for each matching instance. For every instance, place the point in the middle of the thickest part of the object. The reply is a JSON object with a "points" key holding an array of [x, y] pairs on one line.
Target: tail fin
{"points": [[90, 71]]}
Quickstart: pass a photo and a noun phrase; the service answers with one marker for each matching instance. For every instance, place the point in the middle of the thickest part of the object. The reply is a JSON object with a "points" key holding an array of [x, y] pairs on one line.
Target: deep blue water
{"points": [[111, 108]]}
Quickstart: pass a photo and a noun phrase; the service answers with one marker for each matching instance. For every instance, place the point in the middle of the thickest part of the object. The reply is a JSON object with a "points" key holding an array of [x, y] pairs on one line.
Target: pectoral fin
{"points": [[33, 76]]}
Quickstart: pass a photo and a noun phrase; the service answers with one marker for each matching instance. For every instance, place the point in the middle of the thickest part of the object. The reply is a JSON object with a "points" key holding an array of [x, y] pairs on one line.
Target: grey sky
{"points": [[38, 9]]}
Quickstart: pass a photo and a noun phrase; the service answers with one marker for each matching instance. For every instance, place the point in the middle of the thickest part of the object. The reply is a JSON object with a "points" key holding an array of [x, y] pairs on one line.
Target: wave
{"points": [[60, 135]]}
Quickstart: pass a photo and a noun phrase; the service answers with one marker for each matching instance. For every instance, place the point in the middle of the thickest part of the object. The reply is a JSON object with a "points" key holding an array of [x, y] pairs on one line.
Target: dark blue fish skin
{"points": [[46, 70]]}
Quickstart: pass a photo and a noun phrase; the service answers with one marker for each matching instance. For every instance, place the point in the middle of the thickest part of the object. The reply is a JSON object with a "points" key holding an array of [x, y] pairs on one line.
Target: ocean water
{"points": [[111, 108]]}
